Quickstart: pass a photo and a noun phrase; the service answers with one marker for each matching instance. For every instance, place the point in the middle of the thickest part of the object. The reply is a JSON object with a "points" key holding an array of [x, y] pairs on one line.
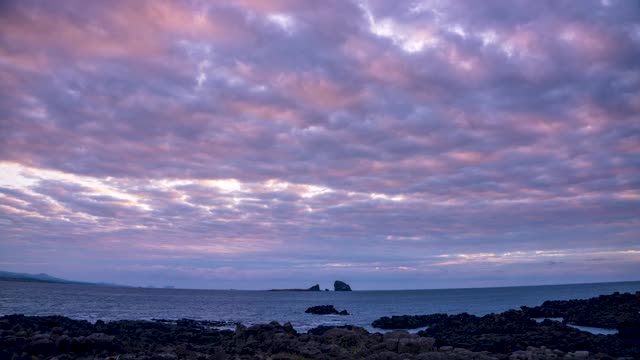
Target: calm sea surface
{"points": [[251, 307]]}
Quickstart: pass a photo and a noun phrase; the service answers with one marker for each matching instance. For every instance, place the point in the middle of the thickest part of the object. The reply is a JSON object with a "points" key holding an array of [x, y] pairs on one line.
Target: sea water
{"points": [[90, 302]]}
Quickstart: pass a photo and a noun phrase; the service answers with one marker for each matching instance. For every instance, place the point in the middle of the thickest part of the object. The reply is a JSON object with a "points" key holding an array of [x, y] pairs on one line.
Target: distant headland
{"points": [[43, 278]]}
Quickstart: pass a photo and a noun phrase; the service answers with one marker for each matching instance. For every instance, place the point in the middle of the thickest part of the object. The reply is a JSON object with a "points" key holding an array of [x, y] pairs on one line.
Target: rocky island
{"points": [[337, 286], [341, 286]]}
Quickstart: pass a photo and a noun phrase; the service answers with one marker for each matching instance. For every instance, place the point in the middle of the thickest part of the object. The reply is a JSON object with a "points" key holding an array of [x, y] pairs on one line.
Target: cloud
{"points": [[347, 133]]}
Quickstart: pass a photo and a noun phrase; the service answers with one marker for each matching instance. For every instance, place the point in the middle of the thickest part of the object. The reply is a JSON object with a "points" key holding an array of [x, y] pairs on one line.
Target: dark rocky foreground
{"points": [[615, 311], [511, 331], [57, 337], [514, 329], [509, 335]]}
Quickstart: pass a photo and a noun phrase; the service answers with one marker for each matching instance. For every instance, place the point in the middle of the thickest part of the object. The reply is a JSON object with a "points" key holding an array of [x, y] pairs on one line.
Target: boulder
{"points": [[322, 329], [396, 335], [315, 287], [392, 339], [42, 346], [341, 286], [581, 354], [415, 345], [407, 321], [101, 341]]}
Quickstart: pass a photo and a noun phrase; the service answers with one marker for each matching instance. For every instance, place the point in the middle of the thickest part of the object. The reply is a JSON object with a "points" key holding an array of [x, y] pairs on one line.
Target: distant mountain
{"points": [[43, 278]]}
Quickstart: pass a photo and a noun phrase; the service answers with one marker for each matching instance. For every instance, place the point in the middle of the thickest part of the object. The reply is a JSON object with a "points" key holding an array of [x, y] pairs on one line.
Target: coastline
{"points": [[55, 337], [508, 335]]}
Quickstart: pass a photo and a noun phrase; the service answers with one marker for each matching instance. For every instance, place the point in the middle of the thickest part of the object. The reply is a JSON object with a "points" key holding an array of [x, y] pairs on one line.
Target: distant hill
{"points": [[315, 287], [43, 278]]}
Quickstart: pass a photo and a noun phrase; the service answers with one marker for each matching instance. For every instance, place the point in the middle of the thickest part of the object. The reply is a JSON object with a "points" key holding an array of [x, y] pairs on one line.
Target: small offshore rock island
{"points": [[337, 286], [341, 286], [325, 310]]}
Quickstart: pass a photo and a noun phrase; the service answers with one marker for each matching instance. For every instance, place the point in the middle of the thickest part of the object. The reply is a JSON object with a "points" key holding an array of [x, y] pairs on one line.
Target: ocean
{"points": [[92, 303]]}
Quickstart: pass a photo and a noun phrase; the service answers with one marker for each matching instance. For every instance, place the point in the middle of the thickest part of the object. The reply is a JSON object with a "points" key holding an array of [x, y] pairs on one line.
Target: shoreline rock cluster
{"points": [[509, 335], [61, 338], [615, 311], [514, 329]]}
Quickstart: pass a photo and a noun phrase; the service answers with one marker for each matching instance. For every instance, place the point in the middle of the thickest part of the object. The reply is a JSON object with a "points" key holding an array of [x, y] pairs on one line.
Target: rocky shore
{"points": [[57, 337], [615, 311], [515, 329], [509, 335]]}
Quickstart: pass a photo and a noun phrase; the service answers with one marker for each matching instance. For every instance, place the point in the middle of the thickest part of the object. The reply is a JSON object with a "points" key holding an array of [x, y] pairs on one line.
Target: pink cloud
{"points": [[175, 133], [122, 28], [317, 90]]}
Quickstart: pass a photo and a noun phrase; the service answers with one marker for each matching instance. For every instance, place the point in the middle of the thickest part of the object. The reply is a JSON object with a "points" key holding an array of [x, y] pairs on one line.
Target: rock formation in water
{"points": [[341, 286], [325, 310]]}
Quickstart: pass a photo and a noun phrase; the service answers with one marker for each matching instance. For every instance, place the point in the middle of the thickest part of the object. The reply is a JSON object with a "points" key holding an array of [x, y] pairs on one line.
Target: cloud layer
{"points": [[264, 143]]}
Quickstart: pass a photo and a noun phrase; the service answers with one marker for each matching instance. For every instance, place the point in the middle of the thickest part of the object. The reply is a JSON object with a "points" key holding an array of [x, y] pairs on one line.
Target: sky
{"points": [[256, 144]]}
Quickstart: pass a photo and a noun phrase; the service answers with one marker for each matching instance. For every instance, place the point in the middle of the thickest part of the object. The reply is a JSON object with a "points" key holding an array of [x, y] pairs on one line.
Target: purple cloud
{"points": [[285, 141]]}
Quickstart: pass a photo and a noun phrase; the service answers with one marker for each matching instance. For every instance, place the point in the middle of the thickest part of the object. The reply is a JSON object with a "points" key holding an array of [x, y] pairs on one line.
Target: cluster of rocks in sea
{"points": [[325, 310], [337, 286]]}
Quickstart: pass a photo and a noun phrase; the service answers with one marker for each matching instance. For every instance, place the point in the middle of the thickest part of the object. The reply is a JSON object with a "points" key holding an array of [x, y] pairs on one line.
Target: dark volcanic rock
{"points": [[320, 330], [325, 310], [615, 311], [509, 335], [513, 330], [26, 337], [341, 286], [407, 321], [196, 323], [315, 287]]}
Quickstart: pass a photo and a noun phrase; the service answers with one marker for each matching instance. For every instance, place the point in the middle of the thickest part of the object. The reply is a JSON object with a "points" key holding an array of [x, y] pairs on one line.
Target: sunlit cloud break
{"points": [[254, 144]]}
